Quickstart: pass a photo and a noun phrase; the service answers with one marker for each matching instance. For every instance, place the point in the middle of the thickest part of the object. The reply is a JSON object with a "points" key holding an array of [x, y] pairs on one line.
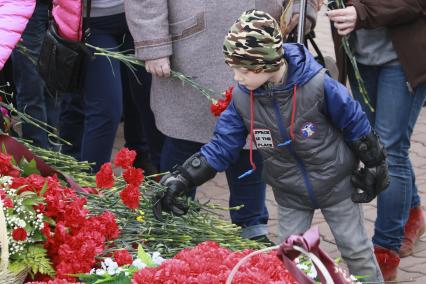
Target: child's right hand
{"points": [[158, 67]]}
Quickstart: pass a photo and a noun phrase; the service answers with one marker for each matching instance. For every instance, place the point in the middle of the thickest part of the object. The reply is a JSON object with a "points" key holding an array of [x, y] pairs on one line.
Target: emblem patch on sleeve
{"points": [[308, 129], [263, 138]]}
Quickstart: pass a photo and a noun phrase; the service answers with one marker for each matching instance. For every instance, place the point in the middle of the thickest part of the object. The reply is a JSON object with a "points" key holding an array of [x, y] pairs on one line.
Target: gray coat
{"points": [[192, 33]]}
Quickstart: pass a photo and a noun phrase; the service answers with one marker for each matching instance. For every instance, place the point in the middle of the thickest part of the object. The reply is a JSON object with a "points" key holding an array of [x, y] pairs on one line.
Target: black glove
{"points": [[194, 172], [372, 179], [369, 182]]}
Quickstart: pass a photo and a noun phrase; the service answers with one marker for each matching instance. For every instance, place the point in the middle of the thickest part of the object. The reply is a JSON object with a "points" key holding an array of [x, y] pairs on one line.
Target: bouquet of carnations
{"points": [[49, 229]]}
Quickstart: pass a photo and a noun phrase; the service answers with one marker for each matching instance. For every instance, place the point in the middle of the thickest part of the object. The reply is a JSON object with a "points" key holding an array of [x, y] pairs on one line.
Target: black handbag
{"points": [[61, 61]]}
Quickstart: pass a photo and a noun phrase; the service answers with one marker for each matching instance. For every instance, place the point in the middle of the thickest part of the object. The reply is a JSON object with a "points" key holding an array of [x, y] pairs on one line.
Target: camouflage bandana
{"points": [[254, 42]]}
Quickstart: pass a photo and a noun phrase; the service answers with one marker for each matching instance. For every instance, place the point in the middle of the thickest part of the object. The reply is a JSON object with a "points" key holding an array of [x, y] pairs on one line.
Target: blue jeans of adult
{"points": [[32, 97], [249, 191], [89, 120], [396, 111]]}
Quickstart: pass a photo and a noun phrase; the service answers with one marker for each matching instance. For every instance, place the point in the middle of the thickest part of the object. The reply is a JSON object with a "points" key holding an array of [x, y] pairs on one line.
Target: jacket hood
{"points": [[302, 66]]}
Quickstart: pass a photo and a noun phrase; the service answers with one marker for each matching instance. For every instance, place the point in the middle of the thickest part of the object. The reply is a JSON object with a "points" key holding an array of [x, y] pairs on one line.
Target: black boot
{"points": [[263, 239]]}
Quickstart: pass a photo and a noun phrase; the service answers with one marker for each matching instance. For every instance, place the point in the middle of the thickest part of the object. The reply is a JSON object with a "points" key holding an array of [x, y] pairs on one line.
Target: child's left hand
{"points": [[371, 181]]}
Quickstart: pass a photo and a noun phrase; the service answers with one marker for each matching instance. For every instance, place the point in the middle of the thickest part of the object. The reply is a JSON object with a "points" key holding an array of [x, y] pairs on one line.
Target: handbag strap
{"points": [[86, 24]]}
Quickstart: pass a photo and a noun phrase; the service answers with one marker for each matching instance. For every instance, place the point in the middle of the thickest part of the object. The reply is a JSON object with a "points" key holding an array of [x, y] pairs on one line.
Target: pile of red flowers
{"points": [[208, 262], [74, 239]]}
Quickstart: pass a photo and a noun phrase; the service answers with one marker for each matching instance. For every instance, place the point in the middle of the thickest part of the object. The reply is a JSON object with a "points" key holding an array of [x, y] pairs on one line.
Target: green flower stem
{"points": [[345, 42], [129, 60]]}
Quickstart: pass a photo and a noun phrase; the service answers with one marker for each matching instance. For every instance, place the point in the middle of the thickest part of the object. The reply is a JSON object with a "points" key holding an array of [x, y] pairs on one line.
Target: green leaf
{"points": [[13, 161], [16, 266], [145, 257], [28, 168], [120, 278], [3, 148], [43, 189], [87, 278], [36, 258], [29, 202]]}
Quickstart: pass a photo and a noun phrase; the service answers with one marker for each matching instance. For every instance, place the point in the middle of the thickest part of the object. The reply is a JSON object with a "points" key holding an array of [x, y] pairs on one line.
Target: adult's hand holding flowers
{"points": [[159, 67], [344, 19]]}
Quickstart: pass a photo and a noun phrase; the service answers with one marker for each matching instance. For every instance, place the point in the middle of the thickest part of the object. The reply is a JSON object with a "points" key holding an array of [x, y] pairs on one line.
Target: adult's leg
{"points": [[102, 92], [391, 120], [139, 97], [135, 136], [415, 226], [396, 107], [71, 123], [346, 221], [31, 97], [420, 94], [249, 191]]}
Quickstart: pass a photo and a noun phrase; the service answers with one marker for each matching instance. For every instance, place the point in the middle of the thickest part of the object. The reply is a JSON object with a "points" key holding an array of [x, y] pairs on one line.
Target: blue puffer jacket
{"points": [[303, 163]]}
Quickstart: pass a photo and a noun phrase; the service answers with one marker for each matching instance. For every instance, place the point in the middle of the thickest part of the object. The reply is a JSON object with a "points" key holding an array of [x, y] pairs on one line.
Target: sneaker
{"points": [[388, 261], [413, 230]]}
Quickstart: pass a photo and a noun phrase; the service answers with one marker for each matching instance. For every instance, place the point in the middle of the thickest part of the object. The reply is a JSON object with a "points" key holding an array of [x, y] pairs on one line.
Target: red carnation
{"points": [[130, 196], [133, 176], [19, 234], [6, 166], [124, 158], [218, 107], [123, 257], [105, 176], [8, 203]]}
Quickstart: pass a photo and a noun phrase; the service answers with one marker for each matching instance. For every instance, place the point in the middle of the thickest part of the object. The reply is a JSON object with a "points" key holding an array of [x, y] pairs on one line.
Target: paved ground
{"points": [[412, 268]]}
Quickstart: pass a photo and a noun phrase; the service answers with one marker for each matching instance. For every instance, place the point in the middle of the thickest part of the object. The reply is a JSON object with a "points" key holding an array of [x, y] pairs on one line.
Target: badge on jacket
{"points": [[308, 129], [263, 138]]}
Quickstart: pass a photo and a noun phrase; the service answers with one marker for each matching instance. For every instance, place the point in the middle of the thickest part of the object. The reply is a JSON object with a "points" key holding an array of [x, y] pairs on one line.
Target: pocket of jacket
{"points": [[187, 28]]}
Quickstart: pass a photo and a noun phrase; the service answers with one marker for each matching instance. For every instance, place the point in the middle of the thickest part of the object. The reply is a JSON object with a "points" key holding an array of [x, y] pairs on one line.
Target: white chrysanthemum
{"points": [[100, 272], [139, 264], [156, 258]]}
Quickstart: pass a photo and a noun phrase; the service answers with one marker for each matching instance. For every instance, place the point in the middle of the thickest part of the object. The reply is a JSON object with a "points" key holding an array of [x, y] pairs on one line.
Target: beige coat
{"points": [[192, 33]]}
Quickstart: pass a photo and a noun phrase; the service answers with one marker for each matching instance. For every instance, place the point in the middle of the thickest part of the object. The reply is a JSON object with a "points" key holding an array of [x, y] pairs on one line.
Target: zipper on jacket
{"points": [[299, 162]]}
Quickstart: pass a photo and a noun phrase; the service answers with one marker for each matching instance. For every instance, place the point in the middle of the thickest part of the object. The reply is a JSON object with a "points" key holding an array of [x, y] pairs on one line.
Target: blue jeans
{"points": [[396, 112], [32, 97], [249, 191], [90, 120]]}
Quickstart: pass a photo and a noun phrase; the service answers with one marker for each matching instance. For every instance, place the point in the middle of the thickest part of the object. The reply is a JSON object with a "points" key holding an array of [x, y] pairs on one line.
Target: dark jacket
{"points": [[313, 167], [406, 22]]}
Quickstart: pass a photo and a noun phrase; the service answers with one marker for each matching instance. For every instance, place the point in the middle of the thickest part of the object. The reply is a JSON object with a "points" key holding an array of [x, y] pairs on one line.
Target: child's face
{"points": [[249, 79]]}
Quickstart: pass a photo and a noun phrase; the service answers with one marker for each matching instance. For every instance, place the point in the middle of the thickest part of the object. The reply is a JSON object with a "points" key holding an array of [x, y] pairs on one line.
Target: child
{"points": [[311, 135]]}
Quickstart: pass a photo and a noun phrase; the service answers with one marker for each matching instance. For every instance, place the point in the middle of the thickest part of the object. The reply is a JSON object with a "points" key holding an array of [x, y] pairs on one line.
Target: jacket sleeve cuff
{"points": [[153, 52]]}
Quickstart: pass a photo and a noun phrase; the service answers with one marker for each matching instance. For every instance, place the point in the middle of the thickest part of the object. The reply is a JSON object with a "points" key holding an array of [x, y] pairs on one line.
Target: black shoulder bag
{"points": [[61, 61]]}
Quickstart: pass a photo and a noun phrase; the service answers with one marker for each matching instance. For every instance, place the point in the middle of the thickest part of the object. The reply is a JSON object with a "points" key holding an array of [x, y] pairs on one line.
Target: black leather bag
{"points": [[61, 61]]}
